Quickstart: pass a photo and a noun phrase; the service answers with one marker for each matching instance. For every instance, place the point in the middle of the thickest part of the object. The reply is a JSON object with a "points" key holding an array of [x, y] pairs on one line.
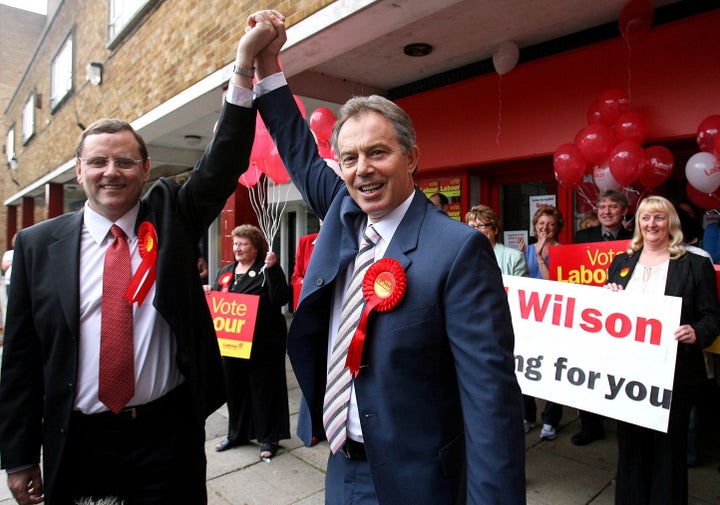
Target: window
{"points": [[121, 14], [61, 73], [10, 144], [28, 118]]}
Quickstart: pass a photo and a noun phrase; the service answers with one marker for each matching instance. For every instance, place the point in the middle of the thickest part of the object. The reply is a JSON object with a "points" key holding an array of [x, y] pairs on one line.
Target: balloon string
{"points": [[268, 206], [629, 71], [500, 103], [583, 194]]}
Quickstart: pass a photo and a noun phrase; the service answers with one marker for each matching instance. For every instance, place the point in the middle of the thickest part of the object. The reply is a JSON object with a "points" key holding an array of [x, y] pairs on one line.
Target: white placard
{"points": [[612, 353], [516, 239]]}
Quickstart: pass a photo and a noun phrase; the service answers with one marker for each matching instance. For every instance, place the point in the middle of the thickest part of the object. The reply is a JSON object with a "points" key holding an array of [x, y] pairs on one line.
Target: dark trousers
{"points": [[592, 422], [348, 482], [652, 466], [153, 456], [551, 414]]}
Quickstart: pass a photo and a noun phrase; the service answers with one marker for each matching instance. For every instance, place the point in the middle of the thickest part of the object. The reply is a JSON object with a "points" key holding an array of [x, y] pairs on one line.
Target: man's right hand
{"points": [[266, 61], [26, 485]]}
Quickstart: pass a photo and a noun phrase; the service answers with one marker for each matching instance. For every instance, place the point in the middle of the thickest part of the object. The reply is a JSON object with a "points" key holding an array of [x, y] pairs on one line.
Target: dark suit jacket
{"points": [[692, 278], [594, 234], [40, 358], [440, 406]]}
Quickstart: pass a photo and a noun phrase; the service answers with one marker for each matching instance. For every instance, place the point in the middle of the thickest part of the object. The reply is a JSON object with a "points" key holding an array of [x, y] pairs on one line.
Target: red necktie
{"points": [[117, 375]]}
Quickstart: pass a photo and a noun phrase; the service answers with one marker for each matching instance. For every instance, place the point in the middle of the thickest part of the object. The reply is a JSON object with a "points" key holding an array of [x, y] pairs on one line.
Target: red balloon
{"points": [[593, 113], [324, 149], [631, 125], [656, 167], [321, 123], [595, 142], [612, 103], [250, 177], [703, 200], [707, 131], [262, 146], [716, 146], [569, 165], [636, 19], [625, 160], [274, 167]]}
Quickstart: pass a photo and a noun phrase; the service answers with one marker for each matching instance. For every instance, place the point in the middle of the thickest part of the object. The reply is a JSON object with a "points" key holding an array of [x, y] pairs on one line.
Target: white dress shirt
{"points": [[156, 372]]}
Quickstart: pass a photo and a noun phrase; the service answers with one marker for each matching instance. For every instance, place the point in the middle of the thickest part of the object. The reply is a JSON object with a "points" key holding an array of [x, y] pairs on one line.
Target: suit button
{"points": [[70, 386], [319, 282]]}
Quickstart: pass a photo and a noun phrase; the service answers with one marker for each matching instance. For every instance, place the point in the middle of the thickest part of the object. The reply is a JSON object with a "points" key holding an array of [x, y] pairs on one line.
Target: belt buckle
{"points": [[346, 449], [131, 411]]}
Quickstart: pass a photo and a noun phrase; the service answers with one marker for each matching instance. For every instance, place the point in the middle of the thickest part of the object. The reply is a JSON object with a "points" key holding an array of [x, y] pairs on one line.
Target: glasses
{"points": [[102, 162], [481, 226]]}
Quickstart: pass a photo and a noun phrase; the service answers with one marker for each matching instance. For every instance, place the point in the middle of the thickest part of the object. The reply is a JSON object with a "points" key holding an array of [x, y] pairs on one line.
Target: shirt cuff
{"points": [[237, 95], [270, 83], [19, 468]]}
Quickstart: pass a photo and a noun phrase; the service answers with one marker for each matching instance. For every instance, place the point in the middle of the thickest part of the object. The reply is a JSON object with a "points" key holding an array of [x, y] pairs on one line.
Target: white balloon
{"points": [[703, 172], [505, 56], [603, 178]]}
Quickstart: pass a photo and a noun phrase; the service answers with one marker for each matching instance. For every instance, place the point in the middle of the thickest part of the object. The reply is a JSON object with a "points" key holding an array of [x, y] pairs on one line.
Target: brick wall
{"points": [[178, 43]]}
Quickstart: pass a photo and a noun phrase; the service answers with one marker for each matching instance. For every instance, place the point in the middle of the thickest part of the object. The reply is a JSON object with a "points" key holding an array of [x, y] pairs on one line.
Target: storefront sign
{"points": [[612, 353], [234, 317], [451, 187]]}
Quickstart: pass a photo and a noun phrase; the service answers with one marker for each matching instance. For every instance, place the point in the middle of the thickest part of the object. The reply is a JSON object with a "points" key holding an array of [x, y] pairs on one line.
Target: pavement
{"points": [[557, 472]]}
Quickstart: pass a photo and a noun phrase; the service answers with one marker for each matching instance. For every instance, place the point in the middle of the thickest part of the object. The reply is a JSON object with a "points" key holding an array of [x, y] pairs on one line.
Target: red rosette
{"points": [[145, 275], [224, 281], [383, 287]]}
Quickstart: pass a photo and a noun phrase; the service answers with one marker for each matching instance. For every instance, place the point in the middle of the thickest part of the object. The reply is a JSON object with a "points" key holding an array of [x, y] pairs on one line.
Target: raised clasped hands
{"points": [[260, 45]]}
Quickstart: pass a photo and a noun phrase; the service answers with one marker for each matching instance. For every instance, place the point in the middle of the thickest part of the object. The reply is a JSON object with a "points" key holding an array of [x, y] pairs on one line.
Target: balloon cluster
{"points": [[702, 170], [610, 149], [265, 159]]}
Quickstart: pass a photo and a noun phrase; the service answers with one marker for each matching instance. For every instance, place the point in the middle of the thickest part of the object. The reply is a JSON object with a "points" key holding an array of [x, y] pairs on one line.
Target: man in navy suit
{"points": [[151, 451], [611, 206], [435, 412]]}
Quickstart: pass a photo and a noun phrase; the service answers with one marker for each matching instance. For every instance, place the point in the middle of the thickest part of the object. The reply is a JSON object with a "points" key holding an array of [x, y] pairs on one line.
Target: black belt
{"points": [[354, 450], [160, 408]]}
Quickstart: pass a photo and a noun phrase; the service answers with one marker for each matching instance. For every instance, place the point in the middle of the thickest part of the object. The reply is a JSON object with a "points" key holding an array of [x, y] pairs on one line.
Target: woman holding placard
{"points": [[257, 387], [652, 466]]}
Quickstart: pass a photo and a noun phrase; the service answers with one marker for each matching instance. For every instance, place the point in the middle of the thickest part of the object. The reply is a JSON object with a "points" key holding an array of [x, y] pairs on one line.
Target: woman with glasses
{"points": [[484, 220]]}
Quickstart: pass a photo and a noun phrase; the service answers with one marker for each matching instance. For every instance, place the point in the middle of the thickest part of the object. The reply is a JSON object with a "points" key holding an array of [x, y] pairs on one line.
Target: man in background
{"points": [[611, 207], [440, 201]]}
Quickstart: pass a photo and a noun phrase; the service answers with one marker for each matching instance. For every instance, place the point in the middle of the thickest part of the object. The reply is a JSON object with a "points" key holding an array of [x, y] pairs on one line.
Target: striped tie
{"points": [[337, 391]]}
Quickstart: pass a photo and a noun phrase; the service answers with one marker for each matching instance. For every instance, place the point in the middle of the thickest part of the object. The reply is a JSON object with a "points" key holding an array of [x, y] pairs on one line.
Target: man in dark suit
{"points": [[150, 449], [611, 206], [435, 410]]}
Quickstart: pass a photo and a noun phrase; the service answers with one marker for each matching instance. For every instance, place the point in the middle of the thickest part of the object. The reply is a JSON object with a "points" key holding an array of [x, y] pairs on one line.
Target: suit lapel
{"points": [[64, 257], [407, 234]]}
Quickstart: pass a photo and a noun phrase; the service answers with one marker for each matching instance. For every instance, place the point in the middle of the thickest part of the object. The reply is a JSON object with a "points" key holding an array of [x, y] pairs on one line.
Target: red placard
{"points": [[584, 263], [234, 316]]}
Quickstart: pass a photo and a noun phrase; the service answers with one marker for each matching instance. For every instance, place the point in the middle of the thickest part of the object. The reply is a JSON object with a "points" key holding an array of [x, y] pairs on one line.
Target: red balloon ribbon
{"points": [[144, 277], [383, 287]]}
